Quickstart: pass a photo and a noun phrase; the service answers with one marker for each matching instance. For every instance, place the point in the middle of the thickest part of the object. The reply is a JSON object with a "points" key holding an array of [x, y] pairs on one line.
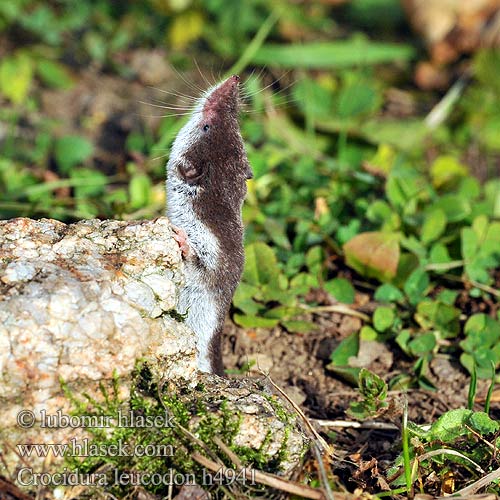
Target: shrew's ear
{"points": [[190, 172]]}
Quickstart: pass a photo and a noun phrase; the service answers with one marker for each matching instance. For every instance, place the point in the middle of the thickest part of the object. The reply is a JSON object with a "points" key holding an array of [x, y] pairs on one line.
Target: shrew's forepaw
{"points": [[181, 237]]}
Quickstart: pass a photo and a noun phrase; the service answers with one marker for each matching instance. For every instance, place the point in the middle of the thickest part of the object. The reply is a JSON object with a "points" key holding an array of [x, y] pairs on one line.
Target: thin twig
{"points": [[235, 459], [315, 436], [465, 281], [344, 424], [340, 309], [324, 445], [443, 108], [262, 478], [446, 451]]}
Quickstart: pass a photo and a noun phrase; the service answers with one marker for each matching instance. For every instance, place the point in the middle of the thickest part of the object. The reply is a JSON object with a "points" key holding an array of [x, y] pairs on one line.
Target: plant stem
{"points": [[445, 266], [337, 308], [256, 43], [406, 449]]}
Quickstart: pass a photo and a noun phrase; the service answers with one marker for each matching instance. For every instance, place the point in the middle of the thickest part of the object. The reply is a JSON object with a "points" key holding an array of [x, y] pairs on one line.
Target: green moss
{"points": [[173, 313], [186, 413], [281, 412]]}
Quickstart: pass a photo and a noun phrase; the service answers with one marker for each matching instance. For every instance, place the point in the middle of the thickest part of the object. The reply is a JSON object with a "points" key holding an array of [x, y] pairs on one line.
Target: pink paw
{"points": [[181, 237]]}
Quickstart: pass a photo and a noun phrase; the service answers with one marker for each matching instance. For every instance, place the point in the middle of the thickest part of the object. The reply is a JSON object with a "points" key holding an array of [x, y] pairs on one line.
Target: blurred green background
{"points": [[364, 181]]}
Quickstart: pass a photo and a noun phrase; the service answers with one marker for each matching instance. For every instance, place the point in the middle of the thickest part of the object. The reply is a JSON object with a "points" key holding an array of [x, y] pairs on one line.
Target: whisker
{"points": [[159, 157], [176, 94], [179, 108], [186, 105], [205, 79], [276, 80], [192, 85], [164, 116], [259, 74]]}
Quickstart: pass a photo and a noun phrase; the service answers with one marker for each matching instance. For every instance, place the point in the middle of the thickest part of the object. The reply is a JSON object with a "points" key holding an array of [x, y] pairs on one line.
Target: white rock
{"points": [[18, 271]]}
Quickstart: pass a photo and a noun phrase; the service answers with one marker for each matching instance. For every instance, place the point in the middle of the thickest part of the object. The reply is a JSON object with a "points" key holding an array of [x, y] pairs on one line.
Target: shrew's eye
{"points": [[206, 127]]}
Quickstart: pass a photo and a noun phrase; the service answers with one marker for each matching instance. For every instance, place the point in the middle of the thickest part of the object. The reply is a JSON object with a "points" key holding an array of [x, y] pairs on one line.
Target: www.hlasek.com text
{"points": [[86, 448]]}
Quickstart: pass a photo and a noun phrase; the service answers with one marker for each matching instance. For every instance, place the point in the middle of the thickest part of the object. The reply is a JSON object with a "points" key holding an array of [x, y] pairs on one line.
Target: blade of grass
{"points": [[405, 437], [343, 54], [255, 44], [471, 397], [63, 183], [490, 389]]}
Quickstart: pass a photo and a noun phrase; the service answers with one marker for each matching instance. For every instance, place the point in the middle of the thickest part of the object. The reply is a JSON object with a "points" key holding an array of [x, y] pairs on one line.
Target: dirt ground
{"points": [[297, 364]]}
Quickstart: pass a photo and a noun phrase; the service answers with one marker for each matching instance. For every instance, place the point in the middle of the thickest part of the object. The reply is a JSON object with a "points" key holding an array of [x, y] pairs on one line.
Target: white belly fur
{"points": [[195, 298], [198, 302]]}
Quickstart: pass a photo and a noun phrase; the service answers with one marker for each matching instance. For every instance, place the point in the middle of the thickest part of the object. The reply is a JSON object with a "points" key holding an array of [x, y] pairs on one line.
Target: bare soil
{"points": [[298, 365]]}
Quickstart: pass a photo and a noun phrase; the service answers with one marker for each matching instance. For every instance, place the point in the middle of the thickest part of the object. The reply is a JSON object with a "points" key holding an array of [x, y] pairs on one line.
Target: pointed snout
{"points": [[224, 95]]}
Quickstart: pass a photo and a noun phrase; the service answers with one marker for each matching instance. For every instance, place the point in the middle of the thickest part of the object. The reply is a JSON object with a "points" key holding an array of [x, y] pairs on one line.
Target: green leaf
{"points": [[439, 255], [276, 231], [422, 344], [283, 312], [403, 134], [367, 333], [435, 315], [355, 52], [481, 344], [446, 169], [491, 242], [483, 424], [379, 211], [312, 98], [492, 195], [469, 242], [96, 45], [383, 318], [299, 326], [261, 266], [403, 338], [455, 207], [481, 330], [348, 348], [140, 191], [450, 426], [248, 321], [374, 254], [348, 231], [272, 293], [371, 386], [341, 289], [301, 283], [243, 298], [447, 296], [456, 424], [481, 360], [72, 150], [355, 100], [416, 285], [388, 293], [53, 74], [16, 74], [91, 182], [433, 226], [404, 187], [315, 260], [348, 373]]}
